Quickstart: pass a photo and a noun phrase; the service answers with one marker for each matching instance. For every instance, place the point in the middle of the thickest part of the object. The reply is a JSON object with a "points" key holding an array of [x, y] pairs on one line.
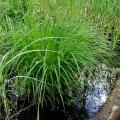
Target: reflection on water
{"points": [[100, 89]]}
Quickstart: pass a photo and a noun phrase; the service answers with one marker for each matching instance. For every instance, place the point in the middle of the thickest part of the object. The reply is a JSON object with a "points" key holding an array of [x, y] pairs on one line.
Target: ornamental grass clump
{"points": [[45, 46]]}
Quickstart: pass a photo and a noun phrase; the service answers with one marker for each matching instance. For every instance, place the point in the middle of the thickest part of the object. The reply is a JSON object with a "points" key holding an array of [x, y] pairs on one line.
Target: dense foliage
{"points": [[44, 45]]}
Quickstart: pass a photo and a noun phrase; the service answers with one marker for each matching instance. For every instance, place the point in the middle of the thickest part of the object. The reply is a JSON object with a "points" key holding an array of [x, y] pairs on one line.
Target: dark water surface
{"points": [[95, 98]]}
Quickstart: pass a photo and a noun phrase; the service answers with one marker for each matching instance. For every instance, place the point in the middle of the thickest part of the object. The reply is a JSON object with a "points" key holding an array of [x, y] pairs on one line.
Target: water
{"points": [[95, 97], [100, 89]]}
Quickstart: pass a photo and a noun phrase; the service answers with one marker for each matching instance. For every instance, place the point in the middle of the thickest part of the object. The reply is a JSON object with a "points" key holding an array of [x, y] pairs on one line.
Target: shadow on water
{"points": [[57, 114]]}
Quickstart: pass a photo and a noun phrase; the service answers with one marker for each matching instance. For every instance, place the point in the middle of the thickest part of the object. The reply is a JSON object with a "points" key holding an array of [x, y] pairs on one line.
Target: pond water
{"points": [[95, 97], [99, 89]]}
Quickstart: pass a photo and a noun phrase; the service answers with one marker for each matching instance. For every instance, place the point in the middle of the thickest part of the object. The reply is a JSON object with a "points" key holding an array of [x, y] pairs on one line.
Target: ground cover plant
{"points": [[44, 46]]}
